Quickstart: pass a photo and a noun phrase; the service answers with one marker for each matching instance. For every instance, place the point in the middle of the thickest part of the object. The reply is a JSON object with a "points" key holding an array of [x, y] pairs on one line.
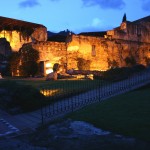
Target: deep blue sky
{"points": [[75, 15]]}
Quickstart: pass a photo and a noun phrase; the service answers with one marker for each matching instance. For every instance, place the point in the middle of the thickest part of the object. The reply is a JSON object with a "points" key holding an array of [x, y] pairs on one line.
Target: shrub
{"points": [[115, 74], [83, 64], [130, 61], [25, 97]]}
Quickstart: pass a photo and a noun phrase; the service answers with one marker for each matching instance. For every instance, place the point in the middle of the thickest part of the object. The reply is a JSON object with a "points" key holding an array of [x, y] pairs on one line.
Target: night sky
{"points": [[75, 15]]}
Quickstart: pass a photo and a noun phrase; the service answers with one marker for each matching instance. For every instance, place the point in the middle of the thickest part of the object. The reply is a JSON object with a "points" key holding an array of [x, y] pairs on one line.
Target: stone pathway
{"points": [[6, 128]]}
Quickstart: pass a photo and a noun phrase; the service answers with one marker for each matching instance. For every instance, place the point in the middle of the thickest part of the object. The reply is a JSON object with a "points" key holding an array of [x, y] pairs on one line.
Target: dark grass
{"points": [[127, 114], [58, 83], [63, 87], [29, 94]]}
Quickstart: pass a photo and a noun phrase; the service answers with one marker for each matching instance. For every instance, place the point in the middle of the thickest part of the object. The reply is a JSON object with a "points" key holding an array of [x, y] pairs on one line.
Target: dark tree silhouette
{"points": [[14, 61], [124, 19], [29, 57]]}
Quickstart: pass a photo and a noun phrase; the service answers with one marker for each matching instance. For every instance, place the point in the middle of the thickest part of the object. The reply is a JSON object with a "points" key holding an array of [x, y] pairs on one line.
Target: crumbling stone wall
{"points": [[128, 41], [17, 39], [88, 48], [131, 31], [55, 52], [108, 52]]}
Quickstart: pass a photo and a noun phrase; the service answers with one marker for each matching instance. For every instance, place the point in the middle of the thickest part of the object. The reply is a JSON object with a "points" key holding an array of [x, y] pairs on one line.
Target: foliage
{"points": [[14, 61], [26, 93], [137, 68], [83, 64], [115, 74], [112, 64], [28, 53], [25, 97], [147, 60], [2, 57], [130, 61], [24, 61], [26, 33], [29, 68], [29, 58], [124, 19]]}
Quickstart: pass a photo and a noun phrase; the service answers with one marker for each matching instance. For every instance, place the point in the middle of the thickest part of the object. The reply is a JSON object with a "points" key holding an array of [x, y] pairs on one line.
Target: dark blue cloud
{"points": [[29, 3], [106, 4], [146, 5]]}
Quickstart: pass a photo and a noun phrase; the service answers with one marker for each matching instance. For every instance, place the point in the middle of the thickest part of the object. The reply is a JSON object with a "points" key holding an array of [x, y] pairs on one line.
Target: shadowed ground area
{"points": [[119, 123]]}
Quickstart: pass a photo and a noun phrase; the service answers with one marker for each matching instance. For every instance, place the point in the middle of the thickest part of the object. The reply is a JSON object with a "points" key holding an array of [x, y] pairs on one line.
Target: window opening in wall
{"points": [[93, 50]]}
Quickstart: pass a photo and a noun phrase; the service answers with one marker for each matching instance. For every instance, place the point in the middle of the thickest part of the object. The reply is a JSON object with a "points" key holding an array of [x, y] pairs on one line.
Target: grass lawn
{"points": [[60, 87], [127, 114], [31, 94]]}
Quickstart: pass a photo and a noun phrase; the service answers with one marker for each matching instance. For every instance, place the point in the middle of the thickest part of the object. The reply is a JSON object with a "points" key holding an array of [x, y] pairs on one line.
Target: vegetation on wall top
{"points": [[26, 28]]}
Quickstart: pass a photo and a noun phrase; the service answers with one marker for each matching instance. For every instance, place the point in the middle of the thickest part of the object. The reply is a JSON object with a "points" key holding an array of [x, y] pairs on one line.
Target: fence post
{"points": [[42, 117]]}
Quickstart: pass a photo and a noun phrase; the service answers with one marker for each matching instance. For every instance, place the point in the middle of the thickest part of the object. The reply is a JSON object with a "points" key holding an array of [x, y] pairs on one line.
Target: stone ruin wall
{"points": [[81, 47], [53, 52], [131, 32], [16, 39], [106, 50], [123, 43]]}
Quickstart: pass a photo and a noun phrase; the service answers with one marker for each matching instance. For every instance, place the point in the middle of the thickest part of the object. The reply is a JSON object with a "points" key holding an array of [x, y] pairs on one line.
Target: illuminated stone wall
{"points": [[17, 39], [81, 47], [134, 31], [130, 39], [102, 52], [51, 53], [108, 52]]}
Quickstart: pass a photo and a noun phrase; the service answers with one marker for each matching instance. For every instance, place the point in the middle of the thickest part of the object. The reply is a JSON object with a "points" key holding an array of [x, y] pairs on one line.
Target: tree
{"points": [[28, 68], [130, 61], [29, 58], [28, 53], [147, 60], [83, 64], [112, 64], [14, 61], [124, 19]]}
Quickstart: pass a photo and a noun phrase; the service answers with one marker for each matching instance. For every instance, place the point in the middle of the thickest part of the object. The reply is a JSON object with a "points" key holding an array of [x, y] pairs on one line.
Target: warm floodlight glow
{"points": [[49, 65], [49, 92], [49, 71]]}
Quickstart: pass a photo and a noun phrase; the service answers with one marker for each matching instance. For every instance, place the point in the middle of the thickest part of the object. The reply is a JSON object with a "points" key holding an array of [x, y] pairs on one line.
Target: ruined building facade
{"points": [[125, 45], [19, 32]]}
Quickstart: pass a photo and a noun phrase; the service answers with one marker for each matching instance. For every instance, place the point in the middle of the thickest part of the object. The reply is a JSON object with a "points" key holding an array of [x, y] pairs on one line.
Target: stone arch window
{"points": [[138, 31], [93, 51]]}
